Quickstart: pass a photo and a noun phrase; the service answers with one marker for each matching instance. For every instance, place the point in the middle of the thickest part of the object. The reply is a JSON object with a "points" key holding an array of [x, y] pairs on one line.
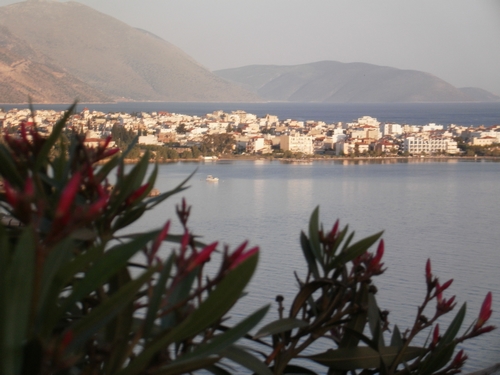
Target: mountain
{"points": [[336, 82], [22, 77], [103, 56], [480, 95]]}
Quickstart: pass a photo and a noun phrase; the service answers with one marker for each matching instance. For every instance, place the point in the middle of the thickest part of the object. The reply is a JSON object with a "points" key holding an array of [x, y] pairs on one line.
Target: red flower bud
{"points": [[485, 312], [243, 256], [68, 195], [160, 238], [11, 195], [459, 359], [137, 194], [445, 286], [334, 230], [202, 256], [435, 336], [428, 274]]}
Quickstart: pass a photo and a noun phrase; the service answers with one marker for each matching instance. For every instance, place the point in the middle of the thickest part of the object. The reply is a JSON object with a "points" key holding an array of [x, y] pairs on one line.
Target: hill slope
{"points": [[22, 77], [330, 81], [112, 57]]}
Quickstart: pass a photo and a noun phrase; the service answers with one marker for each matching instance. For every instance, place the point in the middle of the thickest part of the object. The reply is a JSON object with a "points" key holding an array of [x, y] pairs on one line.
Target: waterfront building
{"points": [[297, 142], [431, 145]]}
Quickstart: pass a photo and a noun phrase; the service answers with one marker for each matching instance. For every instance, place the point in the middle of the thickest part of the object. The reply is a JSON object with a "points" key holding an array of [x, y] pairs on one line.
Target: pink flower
{"points": [[160, 238], [428, 274], [137, 194], [11, 195], [68, 195], [240, 255], [375, 266], [202, 256], [435, 336], [334, 230], [445, 286], [459, 359], [485, 312]]}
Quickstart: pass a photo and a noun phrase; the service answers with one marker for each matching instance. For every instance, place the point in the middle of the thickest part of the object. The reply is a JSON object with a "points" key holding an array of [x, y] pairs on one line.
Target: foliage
{"points": [[78, 297], [336, 302], [122, 136], [218, 144]]}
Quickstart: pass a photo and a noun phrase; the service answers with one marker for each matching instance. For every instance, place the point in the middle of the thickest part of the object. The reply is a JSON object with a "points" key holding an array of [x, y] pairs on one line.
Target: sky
{"points": [[455, 40]]}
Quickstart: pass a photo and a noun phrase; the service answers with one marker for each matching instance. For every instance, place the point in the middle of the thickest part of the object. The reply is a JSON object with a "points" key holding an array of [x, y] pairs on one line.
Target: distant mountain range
{"points": [[56, 52], [336, 82]]}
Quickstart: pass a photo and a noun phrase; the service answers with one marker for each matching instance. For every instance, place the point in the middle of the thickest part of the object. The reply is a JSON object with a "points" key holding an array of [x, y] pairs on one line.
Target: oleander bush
{"points": [[81, 294]]}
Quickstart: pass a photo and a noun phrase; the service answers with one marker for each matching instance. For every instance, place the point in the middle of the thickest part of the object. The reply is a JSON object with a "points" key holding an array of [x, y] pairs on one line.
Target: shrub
{"points": [[78, 297]]}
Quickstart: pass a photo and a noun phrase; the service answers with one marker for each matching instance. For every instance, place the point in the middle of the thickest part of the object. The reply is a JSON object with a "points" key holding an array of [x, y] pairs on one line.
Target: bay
{"points": [[468, 114], [443, 210]]}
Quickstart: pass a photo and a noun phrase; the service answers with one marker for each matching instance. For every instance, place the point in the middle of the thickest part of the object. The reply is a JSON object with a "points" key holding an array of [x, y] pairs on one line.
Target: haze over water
{"points": [[447, 211]]}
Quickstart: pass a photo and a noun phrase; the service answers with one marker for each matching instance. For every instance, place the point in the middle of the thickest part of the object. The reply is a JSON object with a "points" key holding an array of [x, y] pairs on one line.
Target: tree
{"points": [[218, 143]]}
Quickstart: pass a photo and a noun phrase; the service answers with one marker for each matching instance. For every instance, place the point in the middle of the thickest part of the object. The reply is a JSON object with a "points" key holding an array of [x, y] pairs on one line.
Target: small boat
{"points": [[211, 178]]}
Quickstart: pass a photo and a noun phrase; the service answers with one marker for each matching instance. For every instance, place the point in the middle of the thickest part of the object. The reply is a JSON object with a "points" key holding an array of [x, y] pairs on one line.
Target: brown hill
{"points": [[21, 77], [112, 57]]}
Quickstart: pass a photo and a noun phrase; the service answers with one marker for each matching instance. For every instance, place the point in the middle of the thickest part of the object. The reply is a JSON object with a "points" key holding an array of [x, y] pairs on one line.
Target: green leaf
{"points": [[305, 293], [106, 311], [437, 359], [19, 278], [454, 327], [358, 320], [245, 359], [105, 267], [309, 255], [120, 328], [362, 357], [180, 293], [43, 155], [374, 321], [8, 169], [356, 250], [216, 370], [280, 325], [396, 339], [156, 297], [220, 342], [293, 369], [314, 235], [220, 300], [57, 259]]}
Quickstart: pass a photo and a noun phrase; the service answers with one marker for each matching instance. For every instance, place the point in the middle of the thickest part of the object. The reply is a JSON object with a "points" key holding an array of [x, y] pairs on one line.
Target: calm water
{"points": [[447, 211], [404, 113]]}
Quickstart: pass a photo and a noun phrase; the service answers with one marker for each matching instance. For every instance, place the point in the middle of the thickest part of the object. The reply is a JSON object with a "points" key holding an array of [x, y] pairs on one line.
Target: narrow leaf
{"points": [[18, 300], [362, 357], [280, 325], [245, 359], [355, 250]]}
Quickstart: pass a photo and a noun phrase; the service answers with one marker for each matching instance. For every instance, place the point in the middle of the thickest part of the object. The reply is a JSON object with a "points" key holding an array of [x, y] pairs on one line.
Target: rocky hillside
{"points": [[336, 82], [100, 55]]}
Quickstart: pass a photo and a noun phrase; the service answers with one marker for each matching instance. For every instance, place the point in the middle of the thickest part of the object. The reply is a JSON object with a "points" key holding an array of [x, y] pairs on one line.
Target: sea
{"points": [[468, 114], [445, 210]]}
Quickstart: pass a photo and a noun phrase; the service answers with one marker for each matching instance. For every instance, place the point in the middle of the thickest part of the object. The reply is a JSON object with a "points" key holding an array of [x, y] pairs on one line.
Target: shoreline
{"points": [[230, 158]]}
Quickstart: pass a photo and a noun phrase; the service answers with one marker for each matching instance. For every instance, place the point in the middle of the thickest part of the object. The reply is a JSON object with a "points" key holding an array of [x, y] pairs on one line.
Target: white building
{"points": [[419, 145], [297, 142]]}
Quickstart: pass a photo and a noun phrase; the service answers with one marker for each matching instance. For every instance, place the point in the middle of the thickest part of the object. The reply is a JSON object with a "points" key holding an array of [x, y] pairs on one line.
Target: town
{"points": [[173, 136]]}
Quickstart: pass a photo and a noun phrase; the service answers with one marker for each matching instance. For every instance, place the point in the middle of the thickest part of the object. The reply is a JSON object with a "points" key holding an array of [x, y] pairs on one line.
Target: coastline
{"points": [[354, 160]]}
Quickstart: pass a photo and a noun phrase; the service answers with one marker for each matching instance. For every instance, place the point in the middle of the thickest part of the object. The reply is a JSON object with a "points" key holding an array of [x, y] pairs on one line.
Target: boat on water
{"points": [[211, 178]]}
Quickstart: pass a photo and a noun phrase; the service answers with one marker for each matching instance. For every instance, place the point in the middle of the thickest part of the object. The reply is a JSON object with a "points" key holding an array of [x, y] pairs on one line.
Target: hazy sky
{"points": [[456, 40]]}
